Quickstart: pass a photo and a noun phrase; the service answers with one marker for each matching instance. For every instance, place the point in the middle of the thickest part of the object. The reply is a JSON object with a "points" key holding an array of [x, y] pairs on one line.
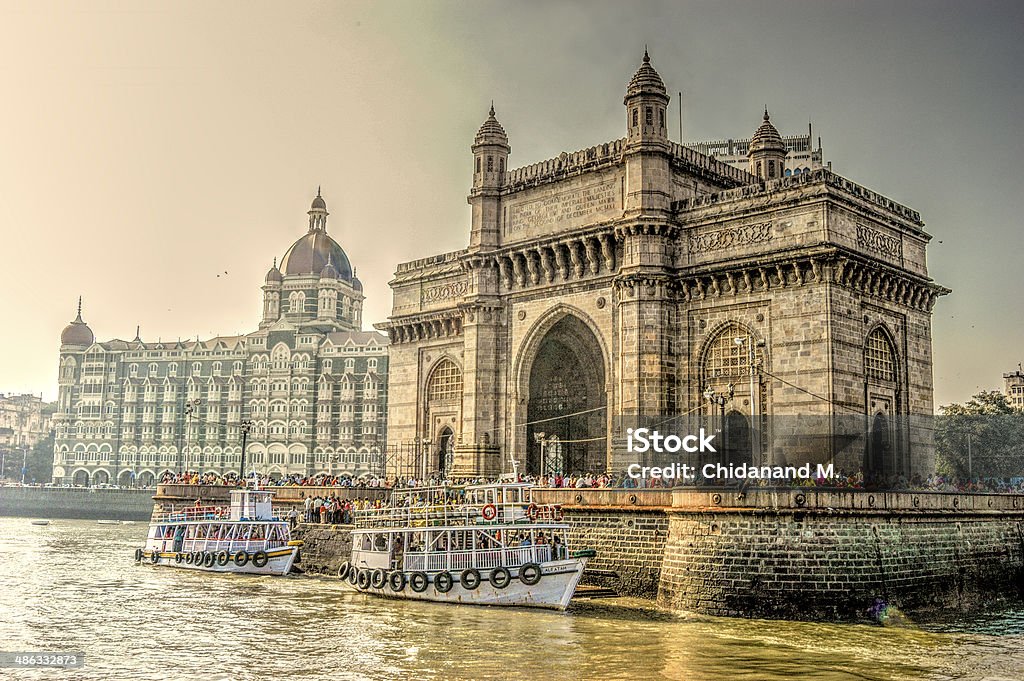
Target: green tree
{"points": [[982, 438], [40, 461]]}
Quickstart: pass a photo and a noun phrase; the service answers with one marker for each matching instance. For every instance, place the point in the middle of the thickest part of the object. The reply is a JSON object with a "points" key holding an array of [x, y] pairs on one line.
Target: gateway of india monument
{"points": [[641, 278]]}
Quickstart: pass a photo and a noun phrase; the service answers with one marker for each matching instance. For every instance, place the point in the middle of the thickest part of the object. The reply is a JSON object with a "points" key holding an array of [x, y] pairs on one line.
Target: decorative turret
{"points": [[490, 153], [646, 102], [318, 213], [272, 295], [273, 274], [77, 333], [767, 151]]}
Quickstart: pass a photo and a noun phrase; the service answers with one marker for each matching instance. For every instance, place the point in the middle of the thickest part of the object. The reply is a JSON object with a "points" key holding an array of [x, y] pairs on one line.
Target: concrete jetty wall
{"points": [[74, 502]]}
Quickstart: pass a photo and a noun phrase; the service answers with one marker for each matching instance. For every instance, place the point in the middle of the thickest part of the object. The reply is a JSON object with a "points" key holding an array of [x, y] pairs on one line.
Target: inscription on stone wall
{"points": [[728, 238], [567, 206], [876, 241], [452, 289]]}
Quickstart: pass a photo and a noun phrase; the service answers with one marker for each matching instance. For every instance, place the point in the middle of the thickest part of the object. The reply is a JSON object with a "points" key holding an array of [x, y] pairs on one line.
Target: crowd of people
{"points": [[934, 483]]}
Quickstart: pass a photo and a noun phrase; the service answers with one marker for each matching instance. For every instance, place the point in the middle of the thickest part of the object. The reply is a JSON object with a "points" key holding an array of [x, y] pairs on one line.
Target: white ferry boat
{"points": [[480, 545], [244, 537]]}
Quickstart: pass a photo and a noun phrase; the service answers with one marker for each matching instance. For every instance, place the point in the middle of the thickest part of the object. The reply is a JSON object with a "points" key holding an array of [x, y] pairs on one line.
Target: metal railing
{"points": [[486, 558]]}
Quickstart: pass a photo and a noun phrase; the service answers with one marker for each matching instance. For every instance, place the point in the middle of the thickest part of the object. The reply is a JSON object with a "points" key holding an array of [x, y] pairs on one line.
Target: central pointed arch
{"points": [[562, 388]]}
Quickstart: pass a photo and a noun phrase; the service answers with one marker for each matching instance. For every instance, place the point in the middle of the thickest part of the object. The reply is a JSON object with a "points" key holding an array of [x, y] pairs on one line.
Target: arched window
{"points": [[636, 117], [879, 357], [725, 357], [445, 382], [296, 301]]}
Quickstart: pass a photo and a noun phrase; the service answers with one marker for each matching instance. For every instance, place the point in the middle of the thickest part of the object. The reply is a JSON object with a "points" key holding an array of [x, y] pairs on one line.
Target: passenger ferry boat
{"points": [[481, 545], [244, 537]]}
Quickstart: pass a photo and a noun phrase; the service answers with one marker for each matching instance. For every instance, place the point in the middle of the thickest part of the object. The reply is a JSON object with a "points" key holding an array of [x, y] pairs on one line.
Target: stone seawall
{"points": [[73, 502], [820, 565], [800, 554], [324, 547]]}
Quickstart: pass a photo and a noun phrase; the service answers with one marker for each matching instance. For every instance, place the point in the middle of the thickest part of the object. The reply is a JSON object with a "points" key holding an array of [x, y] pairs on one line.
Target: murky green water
{"points": [[73, 586]]}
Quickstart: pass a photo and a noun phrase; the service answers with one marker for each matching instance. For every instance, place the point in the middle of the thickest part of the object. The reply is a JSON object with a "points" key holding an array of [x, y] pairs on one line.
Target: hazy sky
{"points": [[155, 157]]}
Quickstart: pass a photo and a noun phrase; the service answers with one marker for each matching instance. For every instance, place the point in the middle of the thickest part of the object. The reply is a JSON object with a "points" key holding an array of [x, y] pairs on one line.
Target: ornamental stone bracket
{"points": [[868, 279], [568, 259], [446, 324]]}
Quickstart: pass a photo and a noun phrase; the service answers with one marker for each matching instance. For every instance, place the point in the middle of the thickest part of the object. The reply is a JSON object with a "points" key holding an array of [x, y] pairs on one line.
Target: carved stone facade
{"points": [[633, 277]]}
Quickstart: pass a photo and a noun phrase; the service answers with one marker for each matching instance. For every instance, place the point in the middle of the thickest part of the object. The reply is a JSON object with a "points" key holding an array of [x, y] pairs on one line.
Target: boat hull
{"points": [[558, 582], [279, 562]]}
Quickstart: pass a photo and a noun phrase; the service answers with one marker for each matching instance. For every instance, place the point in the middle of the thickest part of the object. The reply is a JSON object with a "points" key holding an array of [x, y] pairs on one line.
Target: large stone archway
{"points": [[566, 400]]}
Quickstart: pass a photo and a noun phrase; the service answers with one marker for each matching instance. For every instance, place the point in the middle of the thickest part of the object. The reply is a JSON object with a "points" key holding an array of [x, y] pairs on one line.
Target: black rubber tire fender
{"points": [[343, 570], [378, 578], [223, 558], [260, 559], [138, 555], [418, 581], [470, 579], [443, 582], [396, 580], [209, 559], [241, 558], [178, 557], [154, 556], [500, 577], [530, 574], [363, 580]]}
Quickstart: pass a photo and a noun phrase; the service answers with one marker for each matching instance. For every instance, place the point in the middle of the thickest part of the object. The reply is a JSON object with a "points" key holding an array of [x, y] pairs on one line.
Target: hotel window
{"points": [[648, 115]]}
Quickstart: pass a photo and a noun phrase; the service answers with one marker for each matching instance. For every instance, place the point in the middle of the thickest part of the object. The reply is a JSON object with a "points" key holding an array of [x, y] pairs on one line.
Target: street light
{"points": [[754, 407], [720, 399], [190, 407], [245, 426], [424, 455]]}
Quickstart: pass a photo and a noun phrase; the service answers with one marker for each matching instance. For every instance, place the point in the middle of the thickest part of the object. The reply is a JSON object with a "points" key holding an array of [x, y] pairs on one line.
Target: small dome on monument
{"points": [[646, 80], [491, 131], [766, 136], [77, 332]]}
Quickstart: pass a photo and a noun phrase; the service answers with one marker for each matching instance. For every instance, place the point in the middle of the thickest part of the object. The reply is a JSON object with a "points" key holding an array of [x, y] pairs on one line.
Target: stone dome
{"points": [[77, 332], [767, 137], [311, 253], [646, 80], [491, 132]]}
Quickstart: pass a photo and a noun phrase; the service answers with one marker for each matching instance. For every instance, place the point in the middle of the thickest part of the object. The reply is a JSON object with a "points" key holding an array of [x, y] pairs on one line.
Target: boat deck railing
{"points": [[484, 558], [428, 515], [437, 515], [213, 513]]}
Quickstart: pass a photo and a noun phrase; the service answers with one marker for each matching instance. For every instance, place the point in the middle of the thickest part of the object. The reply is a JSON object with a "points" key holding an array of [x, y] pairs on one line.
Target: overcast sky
{"points": [[156, 157]]}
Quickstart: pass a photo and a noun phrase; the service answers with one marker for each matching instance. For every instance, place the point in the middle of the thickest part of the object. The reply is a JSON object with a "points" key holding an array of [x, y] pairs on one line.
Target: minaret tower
{"points": [[767, 151], [490, 154]]}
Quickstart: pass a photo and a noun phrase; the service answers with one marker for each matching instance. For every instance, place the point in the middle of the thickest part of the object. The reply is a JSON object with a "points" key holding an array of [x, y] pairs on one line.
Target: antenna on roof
{"points": [[680, 117]]}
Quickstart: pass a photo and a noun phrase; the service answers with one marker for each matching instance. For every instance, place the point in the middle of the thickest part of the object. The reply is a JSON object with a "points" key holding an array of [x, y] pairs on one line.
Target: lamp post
{"points": [[424, 455], [754, 406], [190, 407], [720, 399], [245, 426]]}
